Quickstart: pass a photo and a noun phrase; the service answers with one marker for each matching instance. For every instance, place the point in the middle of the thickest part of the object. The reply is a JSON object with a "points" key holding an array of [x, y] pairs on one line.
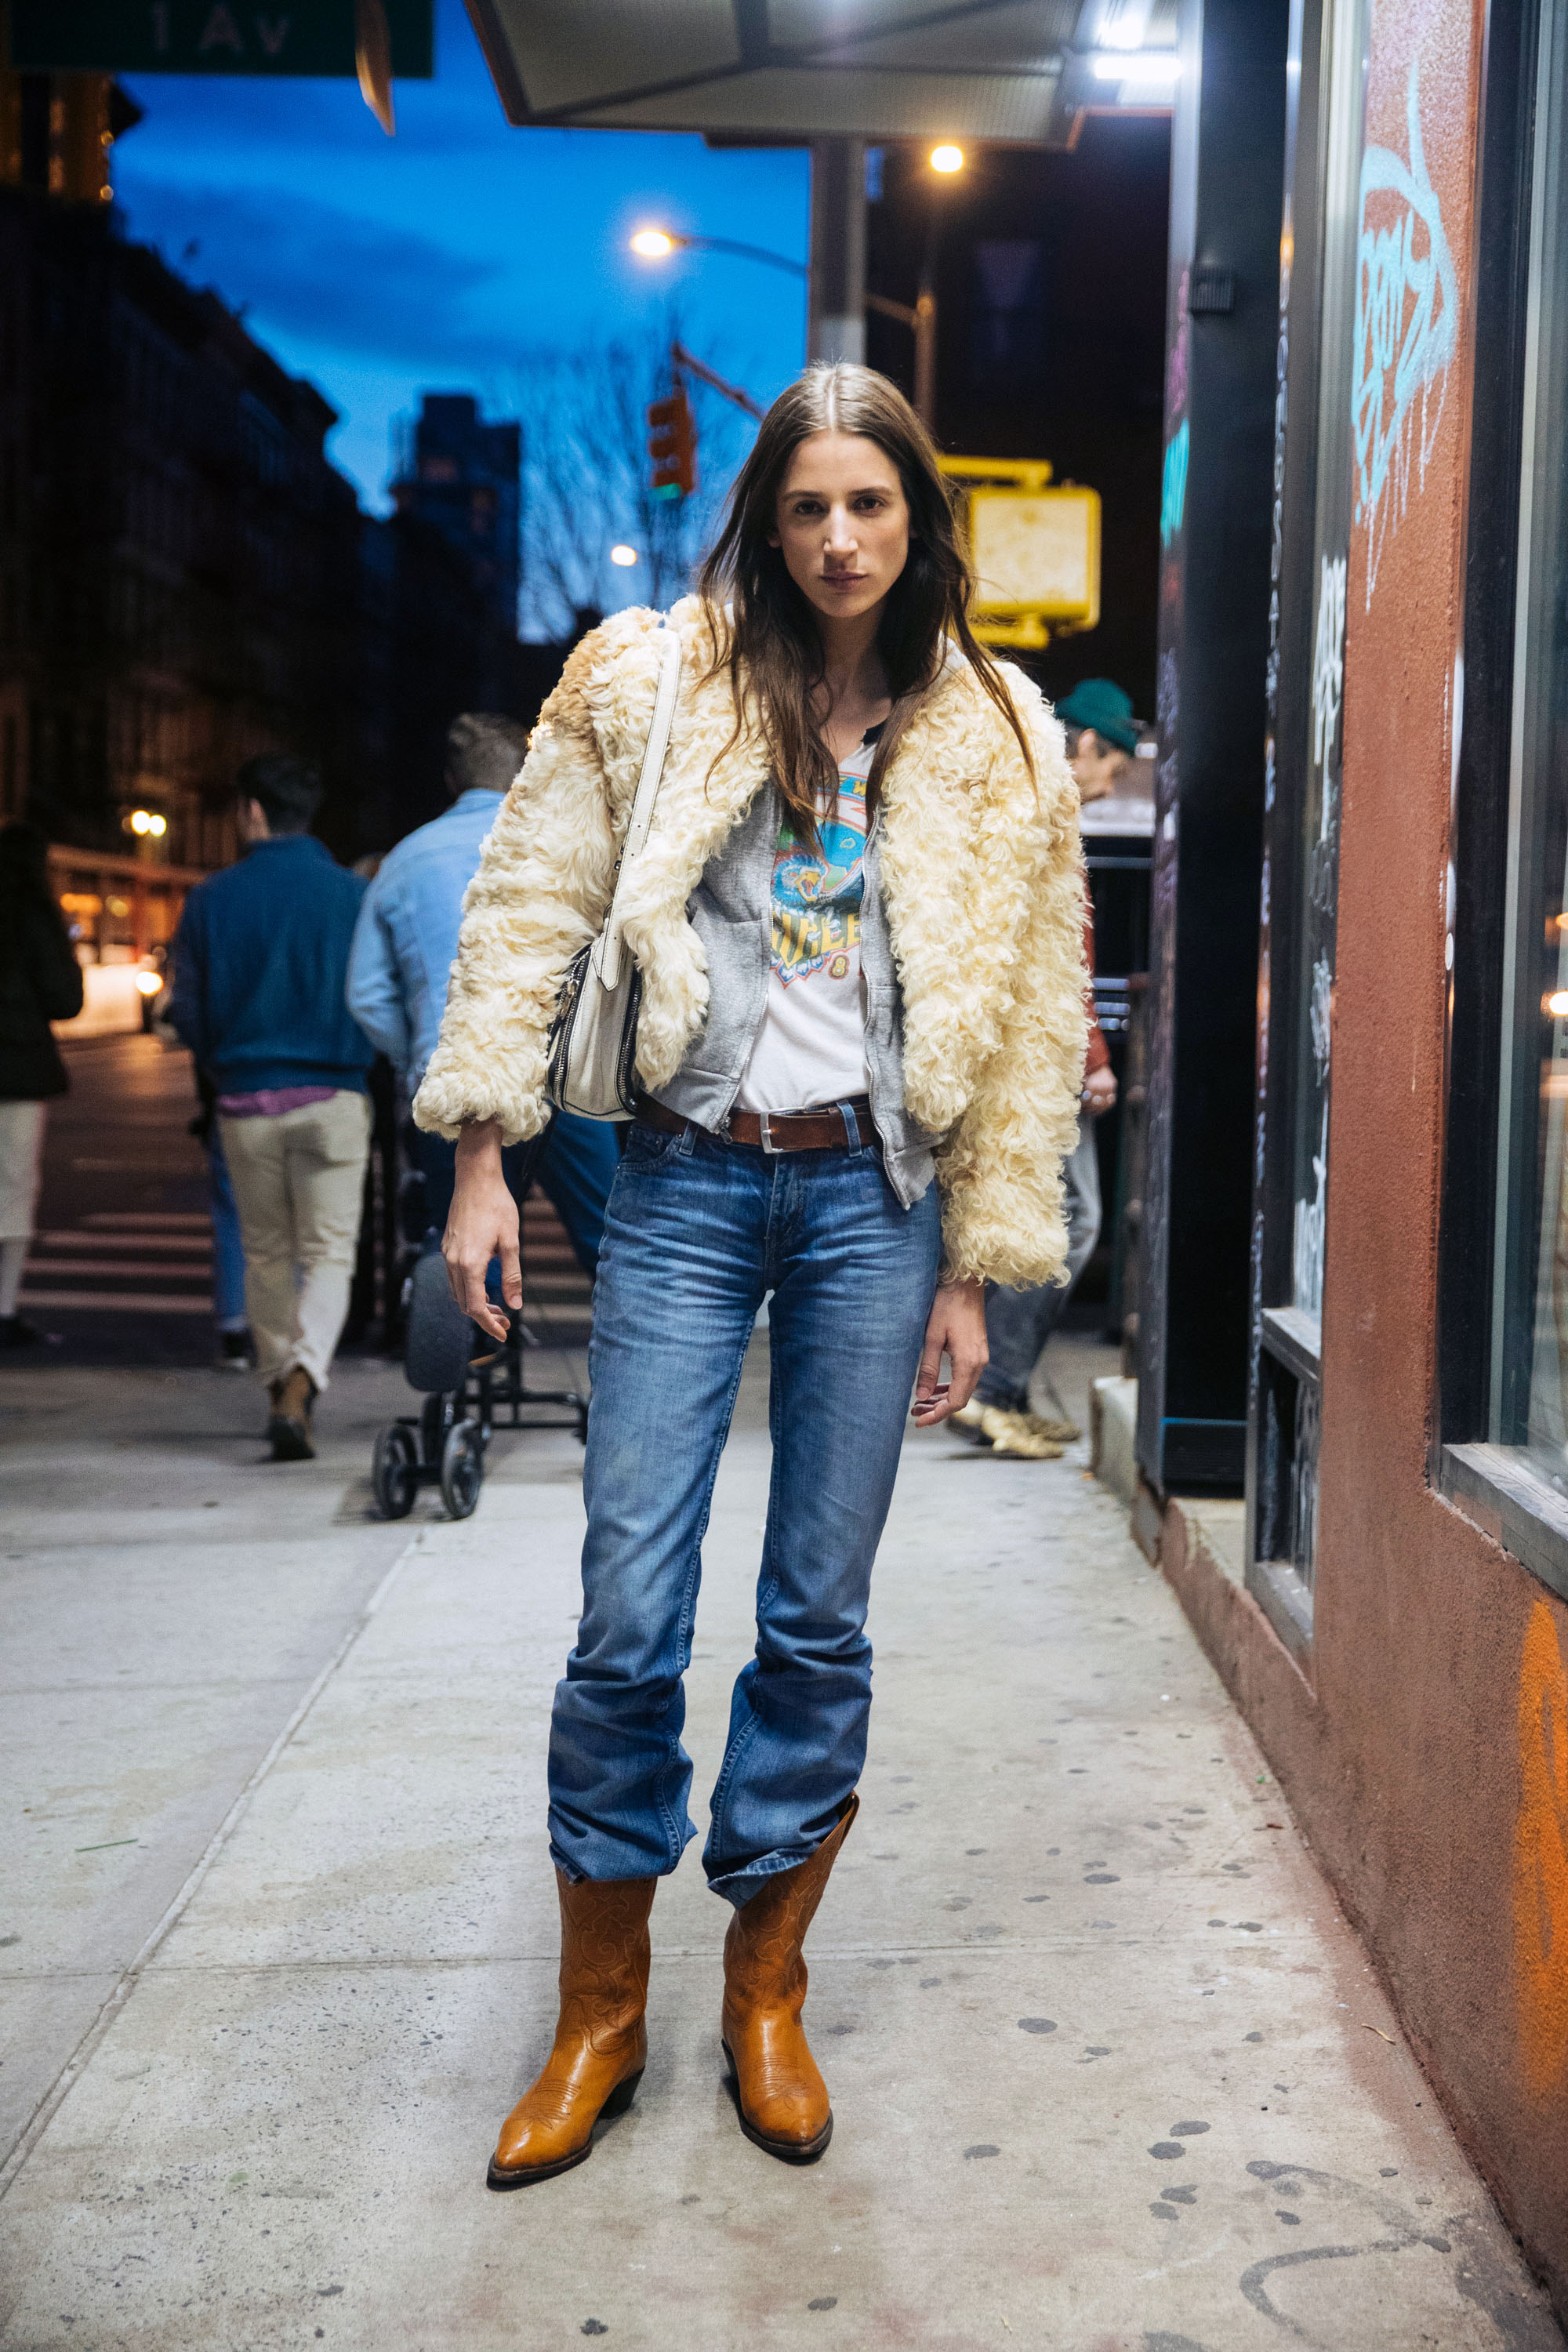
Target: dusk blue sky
{"points": [[447, 257]]}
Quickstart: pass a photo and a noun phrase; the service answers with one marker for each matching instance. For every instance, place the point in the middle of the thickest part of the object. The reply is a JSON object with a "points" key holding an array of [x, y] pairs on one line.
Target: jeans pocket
{"points": [[648, 1149]]}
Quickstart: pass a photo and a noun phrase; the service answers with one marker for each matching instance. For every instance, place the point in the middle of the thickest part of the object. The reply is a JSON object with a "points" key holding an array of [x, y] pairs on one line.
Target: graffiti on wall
{"points": [[1540, 1857], [1406, 334], [1174, 486], [1329, 658]]}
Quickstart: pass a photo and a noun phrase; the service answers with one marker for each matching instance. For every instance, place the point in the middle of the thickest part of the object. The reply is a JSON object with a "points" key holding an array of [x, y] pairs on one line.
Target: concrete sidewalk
{"points": [[1111, 2074]]}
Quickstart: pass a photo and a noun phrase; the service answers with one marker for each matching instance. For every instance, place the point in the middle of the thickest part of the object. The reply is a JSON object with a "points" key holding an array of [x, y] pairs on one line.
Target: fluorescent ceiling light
{"points": [[1156, 68]]}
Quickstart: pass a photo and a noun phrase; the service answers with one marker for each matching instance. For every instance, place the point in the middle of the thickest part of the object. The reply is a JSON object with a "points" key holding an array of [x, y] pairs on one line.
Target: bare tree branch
{"points": [[587, 481]]}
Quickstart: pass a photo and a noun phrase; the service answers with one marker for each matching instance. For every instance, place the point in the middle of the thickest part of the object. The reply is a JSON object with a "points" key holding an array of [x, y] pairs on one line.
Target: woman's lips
{"points": [[844, 579]]}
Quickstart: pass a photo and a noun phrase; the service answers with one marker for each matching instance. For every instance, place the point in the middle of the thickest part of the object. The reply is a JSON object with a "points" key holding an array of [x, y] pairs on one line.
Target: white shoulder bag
{"points": [[592, 1066]]}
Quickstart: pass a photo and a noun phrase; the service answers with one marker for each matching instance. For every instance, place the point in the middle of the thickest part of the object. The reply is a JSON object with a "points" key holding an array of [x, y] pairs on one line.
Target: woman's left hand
{"points": [[957, 1328]]}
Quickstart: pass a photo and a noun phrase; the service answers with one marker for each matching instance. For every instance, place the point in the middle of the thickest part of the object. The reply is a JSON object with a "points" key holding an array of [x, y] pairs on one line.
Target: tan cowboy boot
{"points": [[601, 2042], [782, 2097]]}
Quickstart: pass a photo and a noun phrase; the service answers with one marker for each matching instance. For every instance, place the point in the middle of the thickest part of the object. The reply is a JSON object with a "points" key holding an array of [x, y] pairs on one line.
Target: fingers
{"points": [[967, 1367], [961, 1336], [932, 1397], [931, 1359], [467, 1267]]}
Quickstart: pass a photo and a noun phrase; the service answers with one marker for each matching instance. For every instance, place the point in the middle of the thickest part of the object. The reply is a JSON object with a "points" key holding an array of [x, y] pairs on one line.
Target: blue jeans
{"points": [[228, 1250], [698, 1232], [1019, 1322], [575, 1171]]}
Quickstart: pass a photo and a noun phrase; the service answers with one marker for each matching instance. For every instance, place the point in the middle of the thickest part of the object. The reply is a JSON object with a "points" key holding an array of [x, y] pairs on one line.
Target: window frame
{"points": [[1496, 1487]]}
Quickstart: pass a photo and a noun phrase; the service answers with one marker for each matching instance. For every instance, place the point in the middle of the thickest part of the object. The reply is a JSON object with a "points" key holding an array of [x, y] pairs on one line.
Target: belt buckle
{"points": [[769, 1146]]}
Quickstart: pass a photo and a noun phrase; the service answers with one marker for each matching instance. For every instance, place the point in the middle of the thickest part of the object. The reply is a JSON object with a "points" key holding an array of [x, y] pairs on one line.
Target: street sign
{"points": [[1035, 552], [212, 37]]}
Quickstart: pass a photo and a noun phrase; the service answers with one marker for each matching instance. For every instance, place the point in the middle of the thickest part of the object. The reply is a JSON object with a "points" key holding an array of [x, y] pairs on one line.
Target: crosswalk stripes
{"points": [[159, 1262], [123, 1261], [556, 1292]]}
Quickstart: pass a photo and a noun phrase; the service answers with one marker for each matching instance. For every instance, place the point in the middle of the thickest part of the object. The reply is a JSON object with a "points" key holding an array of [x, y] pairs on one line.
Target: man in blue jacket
{"points": [[402, 960], [260, 958]]}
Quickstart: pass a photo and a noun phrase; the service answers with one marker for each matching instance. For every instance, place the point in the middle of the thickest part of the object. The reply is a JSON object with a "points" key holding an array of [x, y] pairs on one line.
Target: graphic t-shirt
{"points": [[811, 1046]]}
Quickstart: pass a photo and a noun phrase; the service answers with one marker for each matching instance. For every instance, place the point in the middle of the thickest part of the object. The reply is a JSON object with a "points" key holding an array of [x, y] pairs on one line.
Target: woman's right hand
{"points": [[483, 1225]]}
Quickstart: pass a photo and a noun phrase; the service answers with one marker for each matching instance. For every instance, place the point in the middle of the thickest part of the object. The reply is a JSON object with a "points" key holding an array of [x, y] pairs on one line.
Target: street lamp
{"points": [[920, 315], [658, 244]]}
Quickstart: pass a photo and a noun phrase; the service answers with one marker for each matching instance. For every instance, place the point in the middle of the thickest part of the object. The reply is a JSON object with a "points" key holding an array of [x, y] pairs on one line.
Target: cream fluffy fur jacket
{"points": [[982, 878]]}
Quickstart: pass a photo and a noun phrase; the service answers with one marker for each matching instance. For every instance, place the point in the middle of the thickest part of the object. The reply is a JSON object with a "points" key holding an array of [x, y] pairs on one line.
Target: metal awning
{"points": [[985, 69]]}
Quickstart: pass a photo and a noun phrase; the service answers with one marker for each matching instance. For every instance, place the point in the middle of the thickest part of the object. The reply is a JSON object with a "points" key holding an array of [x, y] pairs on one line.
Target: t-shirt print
{"points": [[811, 1044], [817, 893]]}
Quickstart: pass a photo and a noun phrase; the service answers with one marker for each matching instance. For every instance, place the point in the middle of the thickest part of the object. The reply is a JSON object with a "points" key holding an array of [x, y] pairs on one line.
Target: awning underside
{"points": [[867, 68]]}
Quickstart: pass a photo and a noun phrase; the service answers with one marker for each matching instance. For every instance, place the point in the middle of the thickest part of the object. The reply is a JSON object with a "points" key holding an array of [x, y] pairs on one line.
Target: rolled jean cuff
{"points": [[622, 1862], [738, 1886], [995, 1388]]}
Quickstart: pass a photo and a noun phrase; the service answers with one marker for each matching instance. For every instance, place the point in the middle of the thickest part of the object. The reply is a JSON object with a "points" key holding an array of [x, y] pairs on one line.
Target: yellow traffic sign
{"points": [[1035, 548]]}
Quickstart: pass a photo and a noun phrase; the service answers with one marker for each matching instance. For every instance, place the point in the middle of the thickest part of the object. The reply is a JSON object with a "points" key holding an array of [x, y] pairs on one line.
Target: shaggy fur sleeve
{"points": [[1000, 1169], [540, 893]]}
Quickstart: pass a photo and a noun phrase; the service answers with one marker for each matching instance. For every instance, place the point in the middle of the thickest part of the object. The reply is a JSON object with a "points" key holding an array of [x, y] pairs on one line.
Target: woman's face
{"points": [[842, 523]]}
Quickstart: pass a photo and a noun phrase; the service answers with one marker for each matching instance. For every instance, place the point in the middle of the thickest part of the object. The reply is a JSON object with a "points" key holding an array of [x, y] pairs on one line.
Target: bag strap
{"points": [[607, 955]]}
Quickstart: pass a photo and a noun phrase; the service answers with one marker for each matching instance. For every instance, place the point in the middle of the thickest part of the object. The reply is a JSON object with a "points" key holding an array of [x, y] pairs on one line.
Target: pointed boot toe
{"points": [[547, 2132], [791, 2119], [601, 2041]]}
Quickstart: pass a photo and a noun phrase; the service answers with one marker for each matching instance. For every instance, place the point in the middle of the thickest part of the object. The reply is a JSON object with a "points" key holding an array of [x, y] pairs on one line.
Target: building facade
{"points": [[180, 553], [1390, 1607], [186, 579], [464, 483]]}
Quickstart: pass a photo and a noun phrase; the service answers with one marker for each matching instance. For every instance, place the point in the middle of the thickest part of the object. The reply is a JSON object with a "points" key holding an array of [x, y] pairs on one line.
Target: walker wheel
{"points": [[394, 1471], [462, 1469], [436, 1415]]}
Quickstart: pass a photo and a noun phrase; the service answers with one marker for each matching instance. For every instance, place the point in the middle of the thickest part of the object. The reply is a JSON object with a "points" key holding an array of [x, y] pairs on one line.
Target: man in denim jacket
{"points": [[403, 946]]}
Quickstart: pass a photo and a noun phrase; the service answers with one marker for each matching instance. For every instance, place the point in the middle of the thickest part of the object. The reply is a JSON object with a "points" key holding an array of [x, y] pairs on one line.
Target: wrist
{"points": [[478, 1141]]}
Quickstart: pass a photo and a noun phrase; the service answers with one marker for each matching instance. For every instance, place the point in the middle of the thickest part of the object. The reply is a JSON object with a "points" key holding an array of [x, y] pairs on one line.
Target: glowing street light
{"points": [[653, 244], [144, 822], [625, 556], [947, 159]]}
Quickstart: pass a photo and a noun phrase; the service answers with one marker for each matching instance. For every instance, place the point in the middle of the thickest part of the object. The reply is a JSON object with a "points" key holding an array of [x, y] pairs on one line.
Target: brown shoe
{"points": [[601, 2041], [781, 2097], [290, 1426]]}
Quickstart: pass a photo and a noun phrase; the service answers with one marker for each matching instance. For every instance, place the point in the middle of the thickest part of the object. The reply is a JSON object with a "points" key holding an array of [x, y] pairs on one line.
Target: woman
{"points": [[40, 981], [858, 922]]}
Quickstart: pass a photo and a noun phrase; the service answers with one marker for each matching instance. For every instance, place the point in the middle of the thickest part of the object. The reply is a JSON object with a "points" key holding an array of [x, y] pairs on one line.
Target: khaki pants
{"points": [[21, 1163], [299, 1183]]}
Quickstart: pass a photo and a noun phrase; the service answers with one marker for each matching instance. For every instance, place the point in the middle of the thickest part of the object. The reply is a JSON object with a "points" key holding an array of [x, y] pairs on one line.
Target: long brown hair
{"points": [[769, 637]]}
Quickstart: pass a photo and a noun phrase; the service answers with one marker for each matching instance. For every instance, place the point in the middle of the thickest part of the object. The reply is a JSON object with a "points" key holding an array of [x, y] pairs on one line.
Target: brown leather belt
{"points": [[775, 1130]]}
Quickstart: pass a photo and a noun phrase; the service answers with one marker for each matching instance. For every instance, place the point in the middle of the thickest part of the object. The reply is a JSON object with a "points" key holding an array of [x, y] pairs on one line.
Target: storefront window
{"points": [[1529, 1346]]}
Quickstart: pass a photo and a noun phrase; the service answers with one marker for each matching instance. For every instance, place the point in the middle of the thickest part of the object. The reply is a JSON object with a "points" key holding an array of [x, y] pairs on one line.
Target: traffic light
{"points": [[672, 445]]}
